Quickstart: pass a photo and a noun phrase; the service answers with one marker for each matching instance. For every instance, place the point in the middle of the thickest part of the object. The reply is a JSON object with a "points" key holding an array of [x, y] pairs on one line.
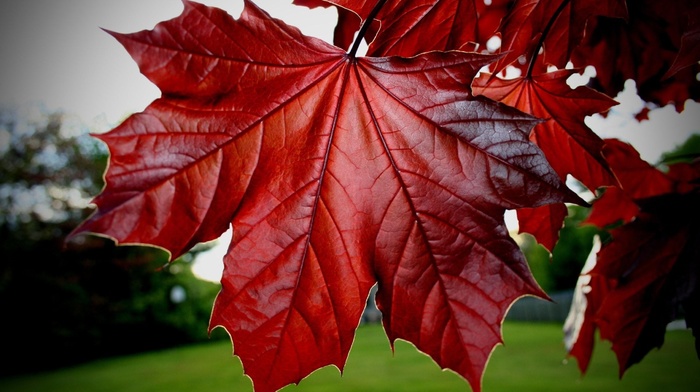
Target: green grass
{"points": [[531, 360]]}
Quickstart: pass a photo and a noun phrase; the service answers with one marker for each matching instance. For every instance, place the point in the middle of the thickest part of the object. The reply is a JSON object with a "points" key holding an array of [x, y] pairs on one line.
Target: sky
{"points": [[54, 53]]}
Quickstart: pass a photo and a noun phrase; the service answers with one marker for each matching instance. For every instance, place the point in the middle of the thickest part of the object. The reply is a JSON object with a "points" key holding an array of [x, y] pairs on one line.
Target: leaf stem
{"points": [[365, 25], [543, 36]]}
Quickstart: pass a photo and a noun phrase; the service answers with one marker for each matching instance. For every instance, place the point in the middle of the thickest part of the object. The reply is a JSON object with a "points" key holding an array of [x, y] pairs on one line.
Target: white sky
{"points": [[54, 53]]}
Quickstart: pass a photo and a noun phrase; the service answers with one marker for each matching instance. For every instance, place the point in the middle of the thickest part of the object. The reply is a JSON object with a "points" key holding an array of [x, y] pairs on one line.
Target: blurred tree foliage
{"points": [[64, 303]]}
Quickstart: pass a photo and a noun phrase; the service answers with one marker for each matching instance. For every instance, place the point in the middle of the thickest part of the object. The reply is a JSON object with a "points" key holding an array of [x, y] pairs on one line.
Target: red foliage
{"points": [[650, 266], [569, 145], [334, 174], [340, 172], [643, 48], [470, 23], [557, 26]]}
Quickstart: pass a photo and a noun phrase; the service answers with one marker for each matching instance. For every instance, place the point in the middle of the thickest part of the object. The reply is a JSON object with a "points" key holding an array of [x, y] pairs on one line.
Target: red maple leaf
{"points": [[637, 178], [644, 48], [452, 24], [543, 223], [335, 172], [647, 275], [556, 26], [613, 206], [570, 146]]}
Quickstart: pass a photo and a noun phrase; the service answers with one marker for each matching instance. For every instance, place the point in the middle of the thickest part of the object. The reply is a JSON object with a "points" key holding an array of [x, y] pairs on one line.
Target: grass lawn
{"points": [[531, 360]]}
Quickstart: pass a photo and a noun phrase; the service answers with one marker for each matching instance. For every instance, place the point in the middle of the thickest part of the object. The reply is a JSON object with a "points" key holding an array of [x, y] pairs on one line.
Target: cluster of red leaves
{"points": [[338, 172], [656, 46], [649, 271]]}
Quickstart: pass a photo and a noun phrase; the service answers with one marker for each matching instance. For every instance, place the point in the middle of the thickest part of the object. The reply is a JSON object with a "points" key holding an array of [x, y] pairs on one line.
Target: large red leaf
{"points": [[335, 172], [570, 146]]}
